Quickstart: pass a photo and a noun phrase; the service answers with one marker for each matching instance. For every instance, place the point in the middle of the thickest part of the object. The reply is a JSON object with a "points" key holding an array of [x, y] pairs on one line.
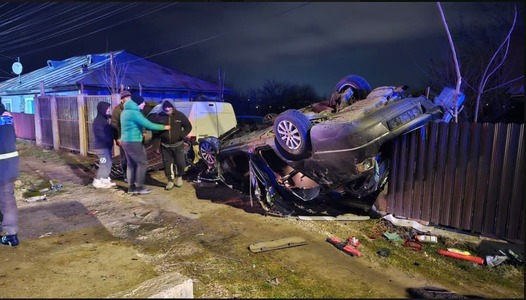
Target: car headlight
{"points": [[366, 165]]}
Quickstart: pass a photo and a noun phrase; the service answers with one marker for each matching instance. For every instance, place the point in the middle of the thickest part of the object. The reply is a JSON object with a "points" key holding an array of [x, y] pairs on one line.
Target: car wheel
{"points": [[358, 84], [208, 148], [291, 130]]}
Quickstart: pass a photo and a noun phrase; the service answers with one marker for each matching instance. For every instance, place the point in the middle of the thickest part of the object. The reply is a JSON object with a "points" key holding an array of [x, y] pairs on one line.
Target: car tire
{"points": [[360, 86], [208, 149], [291, 129]]}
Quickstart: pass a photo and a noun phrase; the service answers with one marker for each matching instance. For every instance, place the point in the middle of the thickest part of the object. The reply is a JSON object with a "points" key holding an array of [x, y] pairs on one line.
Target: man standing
{"points": [[171, 142], [133, 122], [103, 144], [116, 124], [9, 164]]}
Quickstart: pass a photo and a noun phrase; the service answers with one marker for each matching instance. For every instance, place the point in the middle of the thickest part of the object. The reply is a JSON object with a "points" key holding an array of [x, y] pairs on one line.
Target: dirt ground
{"points": [[89, 243]]}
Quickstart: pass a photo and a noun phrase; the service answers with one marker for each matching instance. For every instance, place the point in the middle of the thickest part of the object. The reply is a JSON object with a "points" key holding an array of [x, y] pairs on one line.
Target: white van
{"points": [[207, 118]]}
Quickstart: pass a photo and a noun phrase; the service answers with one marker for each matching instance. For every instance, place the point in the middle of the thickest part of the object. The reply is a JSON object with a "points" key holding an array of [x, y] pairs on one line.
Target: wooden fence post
{"points": [[83, 130], [38, 123], [54, 123]]}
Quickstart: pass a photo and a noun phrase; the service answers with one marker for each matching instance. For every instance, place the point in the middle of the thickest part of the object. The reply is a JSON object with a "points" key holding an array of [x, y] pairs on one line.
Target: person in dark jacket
{"points": [[171, 142], [103, 144], [9, 166], [133, 122], [116, 124]]}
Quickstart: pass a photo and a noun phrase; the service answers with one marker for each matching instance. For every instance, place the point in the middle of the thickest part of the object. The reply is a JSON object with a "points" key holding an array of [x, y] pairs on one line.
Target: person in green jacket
{"points": [[133, 122]]}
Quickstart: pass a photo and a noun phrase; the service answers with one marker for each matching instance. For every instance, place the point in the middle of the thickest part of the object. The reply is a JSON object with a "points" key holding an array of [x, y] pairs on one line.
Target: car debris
{"points": [[344, 246], [337, 149], [277, 244], [344, 217], [471, 258], [383, 252], [36, 198], [424, 238]]}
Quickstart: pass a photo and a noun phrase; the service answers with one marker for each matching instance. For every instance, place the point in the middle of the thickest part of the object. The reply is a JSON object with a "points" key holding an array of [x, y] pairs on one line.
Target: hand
{"points": [[167, 127]]}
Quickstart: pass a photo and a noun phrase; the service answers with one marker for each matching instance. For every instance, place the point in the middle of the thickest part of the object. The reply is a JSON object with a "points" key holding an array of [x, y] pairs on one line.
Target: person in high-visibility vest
{"points": [[9, 164]]}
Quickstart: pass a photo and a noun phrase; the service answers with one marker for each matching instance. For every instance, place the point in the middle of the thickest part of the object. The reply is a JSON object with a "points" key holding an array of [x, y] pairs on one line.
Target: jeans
{"points": [[173, 155], [8, 206], [137, 163], [105, 162]]}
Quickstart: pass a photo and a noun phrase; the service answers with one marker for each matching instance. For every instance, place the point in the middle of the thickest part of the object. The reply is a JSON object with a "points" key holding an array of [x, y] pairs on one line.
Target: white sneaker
{"points": [[108, 181], [99, 184], [178, 181]]}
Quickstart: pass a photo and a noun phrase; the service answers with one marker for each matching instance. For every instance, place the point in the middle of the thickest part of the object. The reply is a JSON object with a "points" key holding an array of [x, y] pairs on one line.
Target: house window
{"points": [[8, 104], [29, 107]]}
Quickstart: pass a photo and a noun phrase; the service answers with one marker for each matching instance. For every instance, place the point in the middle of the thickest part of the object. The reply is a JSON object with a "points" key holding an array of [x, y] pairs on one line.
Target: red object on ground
{"points": [[475, 259], [344, 246], [414, 245]]}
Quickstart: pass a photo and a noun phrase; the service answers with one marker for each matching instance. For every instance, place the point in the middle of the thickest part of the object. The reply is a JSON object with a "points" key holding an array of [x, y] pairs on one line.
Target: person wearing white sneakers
{"points": [[103, 143]]}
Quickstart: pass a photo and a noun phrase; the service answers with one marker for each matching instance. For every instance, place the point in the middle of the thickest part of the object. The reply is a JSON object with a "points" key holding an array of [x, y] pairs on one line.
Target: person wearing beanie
{"points": [[103, 143], [171, 142], [133, 122], [9, 164], [116, 124]]}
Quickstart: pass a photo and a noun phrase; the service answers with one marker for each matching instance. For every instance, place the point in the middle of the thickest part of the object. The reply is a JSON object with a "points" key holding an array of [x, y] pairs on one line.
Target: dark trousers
{"points": [[8, 206], [124, 163], [173, 155], [137, 163]]}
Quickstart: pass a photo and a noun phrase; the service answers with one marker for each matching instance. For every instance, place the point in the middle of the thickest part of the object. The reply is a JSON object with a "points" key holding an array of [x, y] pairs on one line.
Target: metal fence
{"points": [[468, 176], [64, 122], [68, 122]]}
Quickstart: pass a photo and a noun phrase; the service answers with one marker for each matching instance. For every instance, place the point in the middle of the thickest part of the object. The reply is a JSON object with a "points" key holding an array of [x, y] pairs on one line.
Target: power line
{"points": [[88, 14]]}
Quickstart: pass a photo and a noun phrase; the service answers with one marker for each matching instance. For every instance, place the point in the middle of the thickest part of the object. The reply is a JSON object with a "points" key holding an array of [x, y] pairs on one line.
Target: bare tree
{"points": [[479, 77], [457, 68], [114, 74], [495, 63]]}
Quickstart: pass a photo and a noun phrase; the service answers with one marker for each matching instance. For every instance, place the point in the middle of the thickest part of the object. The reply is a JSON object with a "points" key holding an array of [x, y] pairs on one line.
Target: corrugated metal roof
{"points": [[91, 71]]}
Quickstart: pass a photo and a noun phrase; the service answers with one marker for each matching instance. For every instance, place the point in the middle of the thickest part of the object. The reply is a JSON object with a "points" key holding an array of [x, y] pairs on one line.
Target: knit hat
{"points": [[137, 99], [125, 94]]}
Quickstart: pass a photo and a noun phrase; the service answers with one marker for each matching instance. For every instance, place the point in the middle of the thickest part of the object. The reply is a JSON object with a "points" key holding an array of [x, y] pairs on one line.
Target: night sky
{"points": [[314, 43]]}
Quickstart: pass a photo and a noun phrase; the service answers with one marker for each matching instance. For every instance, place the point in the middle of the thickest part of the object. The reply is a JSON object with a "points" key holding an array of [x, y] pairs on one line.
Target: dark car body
{"points": [[337, 149]]}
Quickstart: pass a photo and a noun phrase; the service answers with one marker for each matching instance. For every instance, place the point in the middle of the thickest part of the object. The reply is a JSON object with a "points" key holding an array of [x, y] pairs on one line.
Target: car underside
{"points": [[333, 150]]}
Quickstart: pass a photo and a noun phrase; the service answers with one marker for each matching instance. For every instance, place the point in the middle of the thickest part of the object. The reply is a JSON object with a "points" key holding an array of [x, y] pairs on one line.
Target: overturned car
{"points": [[334, 149]]}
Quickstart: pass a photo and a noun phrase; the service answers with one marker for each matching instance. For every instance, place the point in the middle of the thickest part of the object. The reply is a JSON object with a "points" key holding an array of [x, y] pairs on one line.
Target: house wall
{"points": [[17, 103]]}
